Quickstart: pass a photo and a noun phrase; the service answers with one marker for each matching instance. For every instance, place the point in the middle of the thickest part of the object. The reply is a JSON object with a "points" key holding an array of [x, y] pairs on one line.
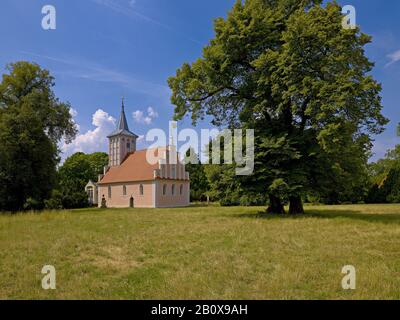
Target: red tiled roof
{"points": [[134, 168]]}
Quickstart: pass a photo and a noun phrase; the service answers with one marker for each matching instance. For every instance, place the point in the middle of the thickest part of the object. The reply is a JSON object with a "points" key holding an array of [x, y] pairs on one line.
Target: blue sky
{"points": [[105, 49]]}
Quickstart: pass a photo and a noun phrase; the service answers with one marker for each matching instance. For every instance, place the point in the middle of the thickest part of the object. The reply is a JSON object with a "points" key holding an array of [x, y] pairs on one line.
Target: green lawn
{"points": [[202, 253]]}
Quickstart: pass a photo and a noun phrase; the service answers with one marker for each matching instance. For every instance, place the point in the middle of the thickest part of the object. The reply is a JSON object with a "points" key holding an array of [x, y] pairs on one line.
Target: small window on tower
{"points": [[128, 145], [124, 190], [141, 190]]}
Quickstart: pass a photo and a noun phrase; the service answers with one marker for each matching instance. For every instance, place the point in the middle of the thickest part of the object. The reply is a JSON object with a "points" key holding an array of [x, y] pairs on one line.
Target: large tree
{"points": [[32, 123], [289, 70]]}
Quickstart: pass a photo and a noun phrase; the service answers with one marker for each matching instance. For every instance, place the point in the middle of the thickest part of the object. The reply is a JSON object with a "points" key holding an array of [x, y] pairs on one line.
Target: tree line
{"points": [[285, 68], [379, 183], [31, 177]]}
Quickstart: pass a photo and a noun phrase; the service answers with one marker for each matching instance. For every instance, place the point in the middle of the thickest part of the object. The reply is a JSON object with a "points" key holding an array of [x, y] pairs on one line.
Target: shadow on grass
{"points": [[386, 218], [203, 205]]}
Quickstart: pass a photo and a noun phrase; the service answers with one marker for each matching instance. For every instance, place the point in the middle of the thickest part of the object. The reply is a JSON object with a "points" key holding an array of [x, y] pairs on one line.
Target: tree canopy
{"points": [[32, 123], [290, 71]]}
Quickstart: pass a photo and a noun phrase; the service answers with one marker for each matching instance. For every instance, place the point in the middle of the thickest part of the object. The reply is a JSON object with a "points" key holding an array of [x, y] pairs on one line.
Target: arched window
{"points": [[124, 190], [141, 190], [90, 194], [173, 189], [109, 192], [181, 189], [164, 190]]}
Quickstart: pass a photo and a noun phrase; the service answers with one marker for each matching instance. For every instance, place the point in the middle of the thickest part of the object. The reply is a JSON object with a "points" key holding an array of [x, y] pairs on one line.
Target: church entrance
{"points": [[131, 203]]}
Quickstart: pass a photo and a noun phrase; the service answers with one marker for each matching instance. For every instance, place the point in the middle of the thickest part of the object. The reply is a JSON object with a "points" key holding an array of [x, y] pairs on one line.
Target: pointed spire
{"points": [[122, 123]]}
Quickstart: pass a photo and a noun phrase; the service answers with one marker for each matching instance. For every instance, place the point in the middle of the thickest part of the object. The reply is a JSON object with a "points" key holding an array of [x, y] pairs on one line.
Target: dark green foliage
{"points": [[227, 188], [199, 186], [73, 176], [223, 184], [198, 182], [32, 123], [55, 202], [391, 186], [384, 178]]}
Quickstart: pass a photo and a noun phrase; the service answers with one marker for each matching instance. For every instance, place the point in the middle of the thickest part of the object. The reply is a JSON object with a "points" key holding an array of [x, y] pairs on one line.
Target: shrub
{"points": [[55, 202]]}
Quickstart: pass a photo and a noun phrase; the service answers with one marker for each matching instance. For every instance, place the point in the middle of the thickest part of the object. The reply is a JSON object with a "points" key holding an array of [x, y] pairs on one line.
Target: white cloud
{"points": [[132, 3], [137, 115], [93, 140], [73, 112], [141, 138], [152, 113], [148, 120], [394, 57], [140, 117]]}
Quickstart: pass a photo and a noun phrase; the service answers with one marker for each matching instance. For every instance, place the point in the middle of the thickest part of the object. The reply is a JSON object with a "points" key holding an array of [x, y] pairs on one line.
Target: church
{"points": [[130, 181]]}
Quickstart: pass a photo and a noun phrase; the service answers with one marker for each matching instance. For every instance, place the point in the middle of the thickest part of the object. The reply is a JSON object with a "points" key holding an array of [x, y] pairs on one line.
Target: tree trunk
{"points": [[275, 205], [296, 205]]}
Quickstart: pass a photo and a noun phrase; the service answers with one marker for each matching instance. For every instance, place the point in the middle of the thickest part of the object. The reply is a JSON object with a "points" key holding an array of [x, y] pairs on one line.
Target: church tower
{"points": [[121, 141]]}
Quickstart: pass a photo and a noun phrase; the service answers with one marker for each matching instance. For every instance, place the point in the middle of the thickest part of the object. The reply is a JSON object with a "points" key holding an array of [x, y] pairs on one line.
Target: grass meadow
{"points": [[202, 253]]}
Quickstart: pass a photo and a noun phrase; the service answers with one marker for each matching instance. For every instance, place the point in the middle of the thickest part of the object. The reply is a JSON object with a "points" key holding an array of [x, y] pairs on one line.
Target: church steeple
{"points": [[122, 141], [122, 123]]}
